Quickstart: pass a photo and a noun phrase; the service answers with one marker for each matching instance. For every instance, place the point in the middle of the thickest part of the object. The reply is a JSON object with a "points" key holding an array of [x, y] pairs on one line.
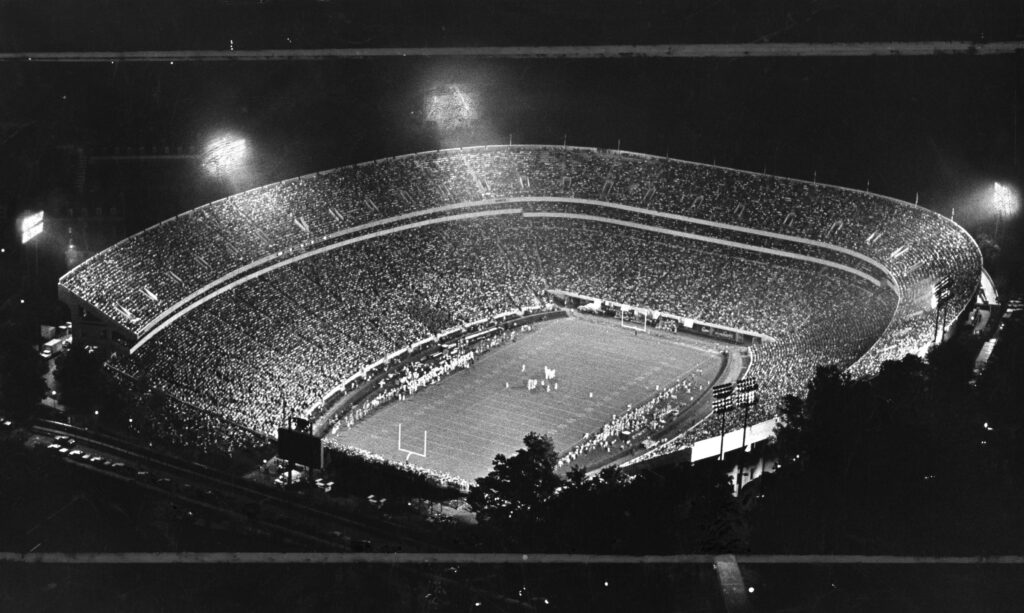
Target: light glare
{"points": [[451, 107], [1003, 199], [31, 220], [224, 154], [31, 226]]}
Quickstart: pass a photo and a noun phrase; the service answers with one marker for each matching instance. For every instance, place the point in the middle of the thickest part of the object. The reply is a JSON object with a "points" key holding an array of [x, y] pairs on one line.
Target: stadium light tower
{"points": [[1005, 203], [31, 226], [224, 155], [746, 396], [942, 293], [722, 402]]}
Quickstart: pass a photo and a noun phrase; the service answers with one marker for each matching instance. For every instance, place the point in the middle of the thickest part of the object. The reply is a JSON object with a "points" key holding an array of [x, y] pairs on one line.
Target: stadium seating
{"points": [[279, 341]]}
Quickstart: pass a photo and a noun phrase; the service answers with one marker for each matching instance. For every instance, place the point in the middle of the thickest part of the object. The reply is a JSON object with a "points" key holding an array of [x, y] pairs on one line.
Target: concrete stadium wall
{"points": [[710, 447]]}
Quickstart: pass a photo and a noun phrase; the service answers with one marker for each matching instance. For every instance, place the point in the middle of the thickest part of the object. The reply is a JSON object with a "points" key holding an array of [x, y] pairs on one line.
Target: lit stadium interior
{"points": [[659, 306], [186, 304]]}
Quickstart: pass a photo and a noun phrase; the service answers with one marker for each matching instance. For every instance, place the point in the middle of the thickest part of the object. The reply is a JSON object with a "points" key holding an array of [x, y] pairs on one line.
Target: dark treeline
{"points": [[523, 505], [921, 459]]}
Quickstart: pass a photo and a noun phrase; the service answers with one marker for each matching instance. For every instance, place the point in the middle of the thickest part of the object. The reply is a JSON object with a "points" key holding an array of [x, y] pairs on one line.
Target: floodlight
{"points": [[451, 107], [31, 226], [31, 220], [1004, 200], [224, 154]]}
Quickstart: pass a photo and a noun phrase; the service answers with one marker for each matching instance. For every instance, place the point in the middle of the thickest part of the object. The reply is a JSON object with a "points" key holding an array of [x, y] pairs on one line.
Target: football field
{"points": [[470, 415]]}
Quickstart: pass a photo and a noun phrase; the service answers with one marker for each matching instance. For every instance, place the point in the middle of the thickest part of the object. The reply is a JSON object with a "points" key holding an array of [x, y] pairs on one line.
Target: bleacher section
{"points": [[272, 297]]}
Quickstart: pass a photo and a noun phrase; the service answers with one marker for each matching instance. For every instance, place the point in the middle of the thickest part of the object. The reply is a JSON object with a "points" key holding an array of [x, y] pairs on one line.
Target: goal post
{"points": [[409, 452], [633, 326]]}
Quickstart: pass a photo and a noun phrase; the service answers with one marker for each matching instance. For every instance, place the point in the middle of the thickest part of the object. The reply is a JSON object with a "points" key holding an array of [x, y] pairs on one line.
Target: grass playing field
{"points": [[470, 415]]}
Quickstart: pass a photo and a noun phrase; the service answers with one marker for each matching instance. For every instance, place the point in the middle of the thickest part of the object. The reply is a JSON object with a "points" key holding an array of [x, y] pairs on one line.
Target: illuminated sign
{"points": [[31, 227]]}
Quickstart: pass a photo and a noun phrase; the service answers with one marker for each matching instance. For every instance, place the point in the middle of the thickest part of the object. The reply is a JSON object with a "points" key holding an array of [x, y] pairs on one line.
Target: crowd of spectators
{"points": [[276, 345], [164, 418], [633, 424], [142, 276], [272, 346], [407, 380]]}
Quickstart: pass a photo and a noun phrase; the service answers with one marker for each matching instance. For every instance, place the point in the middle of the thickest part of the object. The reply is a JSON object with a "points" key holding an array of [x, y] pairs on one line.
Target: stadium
{"points": [[473, 295]]}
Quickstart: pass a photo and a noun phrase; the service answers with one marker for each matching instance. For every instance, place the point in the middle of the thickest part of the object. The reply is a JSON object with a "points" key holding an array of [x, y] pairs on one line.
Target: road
{"points": [[296, 517]]}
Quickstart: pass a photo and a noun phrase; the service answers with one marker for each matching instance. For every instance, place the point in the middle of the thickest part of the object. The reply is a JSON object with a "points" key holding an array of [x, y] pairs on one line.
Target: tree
{"points": [[672, 509], [21, 371], [517, 486], [84, 386], [899, 463]]}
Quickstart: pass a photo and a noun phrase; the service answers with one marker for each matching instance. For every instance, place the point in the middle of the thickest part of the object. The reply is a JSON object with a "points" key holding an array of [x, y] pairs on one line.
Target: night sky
{"points": [[940, 127]]}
